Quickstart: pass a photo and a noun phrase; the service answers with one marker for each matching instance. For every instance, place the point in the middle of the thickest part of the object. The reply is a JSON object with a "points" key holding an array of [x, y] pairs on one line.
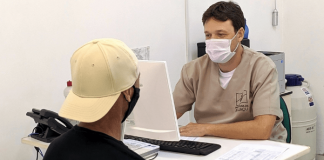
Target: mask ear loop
{"points": [[237, 42], [236, 46], [234, 36]]}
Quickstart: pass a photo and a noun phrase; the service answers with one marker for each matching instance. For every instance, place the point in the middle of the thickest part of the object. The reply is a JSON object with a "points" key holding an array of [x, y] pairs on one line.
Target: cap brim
{"points": [[86, 109]]}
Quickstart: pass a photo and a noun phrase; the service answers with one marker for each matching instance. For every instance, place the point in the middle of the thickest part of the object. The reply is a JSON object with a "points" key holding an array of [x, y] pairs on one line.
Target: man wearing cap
{"points": [[104, 92], [235, 89]]}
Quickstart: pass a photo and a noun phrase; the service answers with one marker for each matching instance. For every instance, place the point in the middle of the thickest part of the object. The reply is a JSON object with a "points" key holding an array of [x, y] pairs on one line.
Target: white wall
{"points": [[303, 45], [37, 39], [258, 14]]}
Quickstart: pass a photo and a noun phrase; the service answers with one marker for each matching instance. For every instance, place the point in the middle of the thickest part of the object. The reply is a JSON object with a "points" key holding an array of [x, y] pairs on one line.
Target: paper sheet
{"points": [[134, 144], [189, 138], [253, 152]]}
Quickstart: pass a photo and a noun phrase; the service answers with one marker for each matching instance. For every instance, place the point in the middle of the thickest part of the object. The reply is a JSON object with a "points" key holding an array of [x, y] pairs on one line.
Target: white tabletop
{"points": [[34, 142], [293, 151]]}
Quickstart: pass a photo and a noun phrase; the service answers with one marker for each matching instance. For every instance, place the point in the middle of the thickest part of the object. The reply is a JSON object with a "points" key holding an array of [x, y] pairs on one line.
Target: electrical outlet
{"points": [[142, 53]]}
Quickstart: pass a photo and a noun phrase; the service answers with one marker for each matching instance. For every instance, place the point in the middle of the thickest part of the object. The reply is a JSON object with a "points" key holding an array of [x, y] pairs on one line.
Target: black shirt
{"points": [[83, 144]]}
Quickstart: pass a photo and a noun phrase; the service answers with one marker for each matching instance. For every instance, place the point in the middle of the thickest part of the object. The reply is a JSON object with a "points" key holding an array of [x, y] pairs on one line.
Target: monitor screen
{"points": [[154, 115]]}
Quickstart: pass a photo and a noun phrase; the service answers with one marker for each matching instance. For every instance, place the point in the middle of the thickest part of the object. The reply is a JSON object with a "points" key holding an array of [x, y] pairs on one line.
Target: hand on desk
{"points": [[193, 130], [259, 128]]}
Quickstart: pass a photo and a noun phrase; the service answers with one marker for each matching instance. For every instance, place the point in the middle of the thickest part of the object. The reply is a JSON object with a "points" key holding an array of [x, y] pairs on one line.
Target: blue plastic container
{"points": [[246, 32]]}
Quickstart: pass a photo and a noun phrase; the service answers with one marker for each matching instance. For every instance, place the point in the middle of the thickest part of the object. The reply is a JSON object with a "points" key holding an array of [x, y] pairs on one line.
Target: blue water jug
{"points": [[246, 32]]}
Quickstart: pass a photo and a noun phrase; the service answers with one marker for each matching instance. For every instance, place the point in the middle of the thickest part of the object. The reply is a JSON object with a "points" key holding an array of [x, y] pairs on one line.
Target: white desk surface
{"points": [[34, 142], [293, 151]]}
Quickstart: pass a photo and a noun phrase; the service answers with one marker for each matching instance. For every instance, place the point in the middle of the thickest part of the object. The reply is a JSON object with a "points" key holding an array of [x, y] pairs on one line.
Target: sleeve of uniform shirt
{"points": [[183, 94], [265, 89]]}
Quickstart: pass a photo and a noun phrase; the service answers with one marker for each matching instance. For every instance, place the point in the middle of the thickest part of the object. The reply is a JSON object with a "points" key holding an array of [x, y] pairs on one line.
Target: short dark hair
{"points": [[223, 11]]}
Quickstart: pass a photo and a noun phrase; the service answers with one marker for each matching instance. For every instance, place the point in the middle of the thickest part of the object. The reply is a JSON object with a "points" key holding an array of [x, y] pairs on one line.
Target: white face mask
{"points": [[219, 50]]}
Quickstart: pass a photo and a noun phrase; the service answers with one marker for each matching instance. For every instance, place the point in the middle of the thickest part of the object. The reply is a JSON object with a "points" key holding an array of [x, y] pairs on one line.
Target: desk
{"points": [[293, 151], [34, 142]]}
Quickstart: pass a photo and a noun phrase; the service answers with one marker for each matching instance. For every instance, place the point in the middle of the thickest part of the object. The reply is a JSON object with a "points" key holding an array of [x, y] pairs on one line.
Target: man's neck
{"points": [[110, 124], [112, 129], [233, 62]]}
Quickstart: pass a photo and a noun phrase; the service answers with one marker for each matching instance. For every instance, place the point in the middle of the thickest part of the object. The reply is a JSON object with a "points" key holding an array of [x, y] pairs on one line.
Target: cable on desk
{"points": [[36, 155], [154, 156], [38, 150], [32, 134], [33, 131], [41, 153]]}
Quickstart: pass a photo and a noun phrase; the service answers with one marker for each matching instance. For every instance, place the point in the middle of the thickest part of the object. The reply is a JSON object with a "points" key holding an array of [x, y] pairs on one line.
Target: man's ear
{"points": [[241, 34], [127, 94]]}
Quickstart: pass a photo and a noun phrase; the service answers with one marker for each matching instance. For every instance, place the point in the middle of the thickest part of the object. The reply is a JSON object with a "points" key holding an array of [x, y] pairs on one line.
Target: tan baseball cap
{"points": [[101, 69]]}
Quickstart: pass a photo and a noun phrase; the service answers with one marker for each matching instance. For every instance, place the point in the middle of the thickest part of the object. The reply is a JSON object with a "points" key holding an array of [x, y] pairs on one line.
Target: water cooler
{"points": [[303, 112]]}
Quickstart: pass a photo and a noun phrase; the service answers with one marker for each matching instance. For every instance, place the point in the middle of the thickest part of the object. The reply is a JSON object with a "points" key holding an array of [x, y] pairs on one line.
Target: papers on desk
{"points": [[189, 138], [135, 145], [143, 149], [253, 152]]}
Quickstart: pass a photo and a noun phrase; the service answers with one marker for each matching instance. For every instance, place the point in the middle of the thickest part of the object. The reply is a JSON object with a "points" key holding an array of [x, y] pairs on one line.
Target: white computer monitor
{"points": [[154, 115]]}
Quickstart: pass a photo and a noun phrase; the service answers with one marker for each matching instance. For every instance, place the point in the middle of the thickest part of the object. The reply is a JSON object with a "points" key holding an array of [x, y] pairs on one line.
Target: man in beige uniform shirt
{"points": [[235, 89]]}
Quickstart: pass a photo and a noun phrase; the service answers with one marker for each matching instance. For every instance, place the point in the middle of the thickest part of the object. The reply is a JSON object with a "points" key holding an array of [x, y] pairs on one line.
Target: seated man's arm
{"points": [[183, 95], [179, 115], [259, 128]]}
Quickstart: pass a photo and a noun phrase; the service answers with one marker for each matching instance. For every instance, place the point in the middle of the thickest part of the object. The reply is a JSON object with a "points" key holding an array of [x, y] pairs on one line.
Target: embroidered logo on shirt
{"points": [[241, 102]]}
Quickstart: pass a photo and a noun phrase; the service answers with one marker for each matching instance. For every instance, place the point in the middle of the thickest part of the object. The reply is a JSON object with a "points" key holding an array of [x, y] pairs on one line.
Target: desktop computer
{"points": [[154, 114], [154, 119]]}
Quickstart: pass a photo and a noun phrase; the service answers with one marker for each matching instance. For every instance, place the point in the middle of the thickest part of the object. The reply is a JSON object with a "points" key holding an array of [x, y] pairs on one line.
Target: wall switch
{"points": [[142, 53]]}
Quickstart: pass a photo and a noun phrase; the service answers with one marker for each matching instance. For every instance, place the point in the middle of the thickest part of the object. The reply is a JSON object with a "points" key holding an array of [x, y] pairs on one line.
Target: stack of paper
{"points": [[189, 138], [253, 152]]}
